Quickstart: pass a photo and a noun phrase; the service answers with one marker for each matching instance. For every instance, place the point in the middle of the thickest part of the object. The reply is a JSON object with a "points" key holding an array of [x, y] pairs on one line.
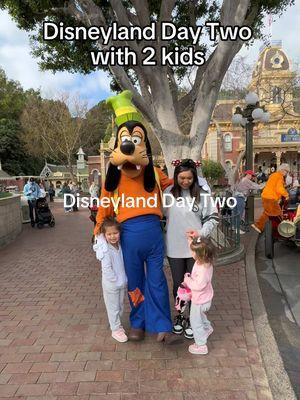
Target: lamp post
{"points": [[247, 118]]}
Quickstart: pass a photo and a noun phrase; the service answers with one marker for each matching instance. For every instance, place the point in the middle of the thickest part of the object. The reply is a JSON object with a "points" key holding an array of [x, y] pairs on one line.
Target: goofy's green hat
{"points": [[123, 108]]}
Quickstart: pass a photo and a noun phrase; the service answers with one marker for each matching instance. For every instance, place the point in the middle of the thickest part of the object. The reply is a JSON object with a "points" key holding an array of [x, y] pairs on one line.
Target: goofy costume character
{"points": [[131, 174]]}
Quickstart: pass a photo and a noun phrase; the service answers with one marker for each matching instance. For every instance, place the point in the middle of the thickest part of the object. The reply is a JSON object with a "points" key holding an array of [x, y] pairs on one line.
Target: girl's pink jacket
{"points": [[200, 283]]}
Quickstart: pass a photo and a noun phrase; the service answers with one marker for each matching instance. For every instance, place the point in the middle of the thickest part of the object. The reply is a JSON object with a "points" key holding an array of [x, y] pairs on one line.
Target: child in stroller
{"points": [[44, 214]]}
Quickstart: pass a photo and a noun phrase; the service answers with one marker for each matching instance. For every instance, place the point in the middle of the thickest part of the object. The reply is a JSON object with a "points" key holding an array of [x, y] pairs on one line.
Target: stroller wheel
{"points": [[52, 223], [40, 225]]}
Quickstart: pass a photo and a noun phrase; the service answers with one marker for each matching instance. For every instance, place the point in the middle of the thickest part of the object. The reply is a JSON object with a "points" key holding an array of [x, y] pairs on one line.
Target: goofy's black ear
{"points": [[149, 174], [112, 179], [116, 141]]}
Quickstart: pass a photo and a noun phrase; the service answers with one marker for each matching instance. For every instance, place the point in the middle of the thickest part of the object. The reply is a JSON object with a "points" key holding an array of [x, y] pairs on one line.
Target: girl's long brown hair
{"points": [[186, 165]]}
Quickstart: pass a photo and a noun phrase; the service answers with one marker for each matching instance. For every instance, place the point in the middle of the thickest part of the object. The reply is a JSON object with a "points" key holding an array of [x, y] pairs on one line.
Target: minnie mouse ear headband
{"points": [[186, 163], [197, 240]]}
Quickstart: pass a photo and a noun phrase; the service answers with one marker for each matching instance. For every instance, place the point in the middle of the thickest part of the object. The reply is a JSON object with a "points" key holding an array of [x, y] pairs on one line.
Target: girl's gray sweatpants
{"points": [[199, 322], [114, 303]]}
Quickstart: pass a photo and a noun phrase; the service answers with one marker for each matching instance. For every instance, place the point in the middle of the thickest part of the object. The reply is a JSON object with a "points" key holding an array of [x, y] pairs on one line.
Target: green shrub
{"points": [[5, 194]]}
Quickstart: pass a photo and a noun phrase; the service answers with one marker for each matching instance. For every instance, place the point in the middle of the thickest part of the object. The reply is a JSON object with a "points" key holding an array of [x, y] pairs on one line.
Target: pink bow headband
{"points": [[176, 163]]}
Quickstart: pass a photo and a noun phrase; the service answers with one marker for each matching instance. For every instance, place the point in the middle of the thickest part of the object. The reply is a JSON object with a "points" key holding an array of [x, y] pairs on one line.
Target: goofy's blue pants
{"points": [[143, 253]]}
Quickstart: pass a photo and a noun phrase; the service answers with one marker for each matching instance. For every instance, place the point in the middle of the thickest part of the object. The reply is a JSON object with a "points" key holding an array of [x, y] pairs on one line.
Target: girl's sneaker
{"points": [[179, 323], [209, 332], [195, 349], [188, 331], [120, 335]]}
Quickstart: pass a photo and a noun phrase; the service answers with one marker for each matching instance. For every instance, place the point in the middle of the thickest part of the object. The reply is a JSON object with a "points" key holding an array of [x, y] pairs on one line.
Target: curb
{"points": [[279, 381]]}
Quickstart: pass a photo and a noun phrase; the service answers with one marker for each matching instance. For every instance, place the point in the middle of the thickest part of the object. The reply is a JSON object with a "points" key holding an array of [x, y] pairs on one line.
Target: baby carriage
{"points": [[44, 214]]}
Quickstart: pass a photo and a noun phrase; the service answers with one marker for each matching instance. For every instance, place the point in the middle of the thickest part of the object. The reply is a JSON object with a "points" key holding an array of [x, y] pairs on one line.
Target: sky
{"points": [[19, 64]]}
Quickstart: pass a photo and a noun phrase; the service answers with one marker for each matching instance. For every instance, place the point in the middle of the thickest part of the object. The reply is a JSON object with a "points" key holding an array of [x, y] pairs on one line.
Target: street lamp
{"points": [[247, 117]]}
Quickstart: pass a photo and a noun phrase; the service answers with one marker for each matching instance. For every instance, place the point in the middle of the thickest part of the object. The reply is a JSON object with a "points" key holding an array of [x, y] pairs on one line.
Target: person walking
{"points": [[241, 192], [32, 192], [198, 215], [271, 195]]}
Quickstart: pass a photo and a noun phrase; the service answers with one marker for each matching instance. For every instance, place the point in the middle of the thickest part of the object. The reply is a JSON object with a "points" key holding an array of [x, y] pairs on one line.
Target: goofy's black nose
{"points": [[127, 147]]}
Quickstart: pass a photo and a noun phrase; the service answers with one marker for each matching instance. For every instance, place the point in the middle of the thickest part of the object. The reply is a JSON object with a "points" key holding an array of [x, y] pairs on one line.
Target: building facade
{"points": [[277, 141], [59, 174]]}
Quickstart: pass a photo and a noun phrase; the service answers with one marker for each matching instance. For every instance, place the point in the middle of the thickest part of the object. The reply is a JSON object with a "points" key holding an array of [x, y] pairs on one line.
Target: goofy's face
{"points": [[132, 149]]}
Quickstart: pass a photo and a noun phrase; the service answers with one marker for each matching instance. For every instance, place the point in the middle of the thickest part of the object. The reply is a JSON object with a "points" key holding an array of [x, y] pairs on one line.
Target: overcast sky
{"points": [[16, 60]]}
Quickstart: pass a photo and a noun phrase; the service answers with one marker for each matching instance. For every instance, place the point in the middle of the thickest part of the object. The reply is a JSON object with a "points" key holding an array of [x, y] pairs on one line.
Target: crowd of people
{"points": [[279, 184], [35, 189]]}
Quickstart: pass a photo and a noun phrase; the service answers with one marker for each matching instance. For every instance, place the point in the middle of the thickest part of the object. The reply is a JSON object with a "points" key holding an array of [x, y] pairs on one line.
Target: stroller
{"points": [[43, 214]]}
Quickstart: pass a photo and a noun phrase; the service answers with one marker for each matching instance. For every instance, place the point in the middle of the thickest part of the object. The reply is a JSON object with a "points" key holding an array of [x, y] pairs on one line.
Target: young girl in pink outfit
{"points": [[199, 281]]}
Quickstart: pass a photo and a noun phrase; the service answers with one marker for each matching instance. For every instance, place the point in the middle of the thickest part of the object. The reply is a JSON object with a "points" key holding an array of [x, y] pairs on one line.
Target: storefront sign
{"points": [[291, 136]]}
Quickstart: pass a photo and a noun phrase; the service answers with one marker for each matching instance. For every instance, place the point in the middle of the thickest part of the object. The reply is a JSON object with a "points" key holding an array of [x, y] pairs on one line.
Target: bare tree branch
{"points": [[166, 9], [233, 12], [142, 10], [120, 74], [122, 17], [133, 18], [191, 96]]}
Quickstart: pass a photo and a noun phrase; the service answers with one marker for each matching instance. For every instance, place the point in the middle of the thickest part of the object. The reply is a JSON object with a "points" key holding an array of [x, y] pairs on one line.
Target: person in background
{"points": [[94, 190], [42, 194], [242, 190], [292, 186], [289, 179], [93, 209], [32, 192], [46, 185], [74, 190], [271, 195], [261, 176], [51, 192], [66, 190]]}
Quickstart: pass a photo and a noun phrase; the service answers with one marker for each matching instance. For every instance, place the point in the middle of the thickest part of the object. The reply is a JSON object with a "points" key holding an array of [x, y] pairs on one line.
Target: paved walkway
{"points": [[55, 342]]}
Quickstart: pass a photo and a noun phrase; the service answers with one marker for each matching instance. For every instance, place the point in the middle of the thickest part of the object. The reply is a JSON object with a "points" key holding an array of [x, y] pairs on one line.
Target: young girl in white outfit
{"points": [[114, 281], [199, 281]]}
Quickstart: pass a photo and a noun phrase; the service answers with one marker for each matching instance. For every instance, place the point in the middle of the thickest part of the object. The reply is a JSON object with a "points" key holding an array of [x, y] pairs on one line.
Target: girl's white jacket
{"points": [[112, 263]]}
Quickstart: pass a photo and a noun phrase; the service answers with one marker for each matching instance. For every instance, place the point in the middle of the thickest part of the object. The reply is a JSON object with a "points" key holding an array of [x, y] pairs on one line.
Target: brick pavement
{"points": [[55, 342]]}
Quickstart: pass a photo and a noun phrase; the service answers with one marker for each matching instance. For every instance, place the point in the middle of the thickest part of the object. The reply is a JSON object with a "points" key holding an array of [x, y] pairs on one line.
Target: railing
{"points": [[226, 237]]}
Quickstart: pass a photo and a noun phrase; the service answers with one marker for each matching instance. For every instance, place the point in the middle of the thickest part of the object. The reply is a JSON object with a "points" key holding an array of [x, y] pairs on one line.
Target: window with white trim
{"points": [[227, 142]]}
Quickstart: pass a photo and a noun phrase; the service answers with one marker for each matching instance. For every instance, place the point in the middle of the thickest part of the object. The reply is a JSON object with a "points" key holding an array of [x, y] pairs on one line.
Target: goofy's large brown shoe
{"points": [[136, 334], [169, 338]]}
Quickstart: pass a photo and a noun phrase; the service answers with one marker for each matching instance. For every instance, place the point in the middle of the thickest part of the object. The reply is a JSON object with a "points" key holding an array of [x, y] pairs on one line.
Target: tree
{"points": [[155, 89], [212, 171], [15, 160], [51, 131], [95, 125], [236, 79]]}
